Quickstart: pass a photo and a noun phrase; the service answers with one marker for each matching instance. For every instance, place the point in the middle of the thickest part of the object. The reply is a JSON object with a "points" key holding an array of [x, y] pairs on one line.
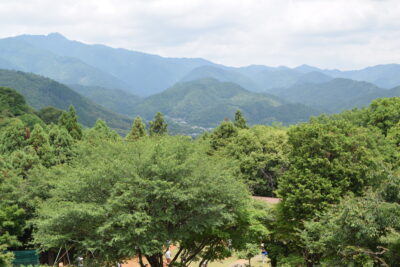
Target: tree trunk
{"points": [[155, 260]]}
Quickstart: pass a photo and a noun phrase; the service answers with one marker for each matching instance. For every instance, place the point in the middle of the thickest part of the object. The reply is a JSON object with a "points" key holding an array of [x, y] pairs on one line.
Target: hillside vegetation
{"points": [[41, 92]]}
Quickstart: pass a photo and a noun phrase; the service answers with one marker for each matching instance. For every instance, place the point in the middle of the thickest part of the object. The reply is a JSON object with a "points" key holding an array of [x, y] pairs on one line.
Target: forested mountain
{"points": [[257, 78], [42, 92], [333, 96], [141, 73], [206, 102], [113, 99]]}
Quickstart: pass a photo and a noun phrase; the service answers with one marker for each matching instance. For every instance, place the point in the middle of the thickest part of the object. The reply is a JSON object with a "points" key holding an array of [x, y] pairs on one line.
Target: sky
{"points": [[343, 34]]}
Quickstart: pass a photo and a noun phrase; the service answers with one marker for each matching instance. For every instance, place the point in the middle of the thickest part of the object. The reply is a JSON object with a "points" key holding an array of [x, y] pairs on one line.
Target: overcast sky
{"points": [[343, 34]]}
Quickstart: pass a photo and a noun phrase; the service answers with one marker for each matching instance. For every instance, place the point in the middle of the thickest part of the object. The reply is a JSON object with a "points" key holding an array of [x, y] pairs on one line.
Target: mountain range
{"points": [[117, 84]]}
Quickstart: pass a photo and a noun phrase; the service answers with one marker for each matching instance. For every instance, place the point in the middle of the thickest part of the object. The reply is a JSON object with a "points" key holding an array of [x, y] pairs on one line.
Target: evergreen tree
{"points": [[158, 126], [240, 120], [138, 130], [24, 160], [62, 143], [69, 120], [39, 140], [13, 137]]}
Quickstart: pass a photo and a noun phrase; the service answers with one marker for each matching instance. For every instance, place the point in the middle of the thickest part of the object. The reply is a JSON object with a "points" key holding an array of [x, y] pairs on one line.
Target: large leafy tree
{"points": [[223, 135], [261, 156], [101, 131], [384, 113], [121, 196], [328, 160], [158, 126], [138, 130], [62, 144]]}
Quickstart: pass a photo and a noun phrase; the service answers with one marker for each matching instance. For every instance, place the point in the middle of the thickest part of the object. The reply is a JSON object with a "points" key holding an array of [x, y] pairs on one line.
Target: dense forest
{"points": [[88, 191]]}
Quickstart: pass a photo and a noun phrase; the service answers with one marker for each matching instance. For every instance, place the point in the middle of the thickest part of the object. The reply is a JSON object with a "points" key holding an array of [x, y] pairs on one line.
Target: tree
{"points": [[62, 144], [39, 140], [261, 156], [167, 189], [49, 114], [69, 121], [328, 160], [138, 130], [223, 135], [360, 231], [384, 113], [13, 137], [240, 121], [101, 131], [158, 126]]}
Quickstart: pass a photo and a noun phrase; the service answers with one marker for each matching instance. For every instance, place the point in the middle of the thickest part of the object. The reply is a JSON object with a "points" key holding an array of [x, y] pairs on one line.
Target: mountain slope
{"points": [[41, 92], [144, 74], [333, 96], [113, 99], [19, 55], [206, 102]]}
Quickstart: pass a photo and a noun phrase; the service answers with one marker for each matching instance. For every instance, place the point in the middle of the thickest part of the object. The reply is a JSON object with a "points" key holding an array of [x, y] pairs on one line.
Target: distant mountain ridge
{"points": [[142, 74]]}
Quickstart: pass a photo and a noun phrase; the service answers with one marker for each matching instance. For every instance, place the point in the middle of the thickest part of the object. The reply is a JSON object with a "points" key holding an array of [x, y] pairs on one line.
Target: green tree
{"points": [[261, 156], [240, 121], [69, 120], [138, 130], [167, 189], [384, 113], [223, 135], [49, 114], [62, 144], [360, 231], [158, 126], [24, 160], [101, 131], [328, 160], [13, 137], [39, 140]]}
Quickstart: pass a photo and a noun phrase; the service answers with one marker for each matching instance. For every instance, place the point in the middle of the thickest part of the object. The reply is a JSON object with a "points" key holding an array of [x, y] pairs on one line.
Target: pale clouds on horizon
{"points": [[343, 34]]}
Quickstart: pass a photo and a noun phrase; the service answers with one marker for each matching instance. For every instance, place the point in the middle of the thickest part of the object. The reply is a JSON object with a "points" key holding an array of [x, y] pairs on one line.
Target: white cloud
{"points": [[327, 33]]}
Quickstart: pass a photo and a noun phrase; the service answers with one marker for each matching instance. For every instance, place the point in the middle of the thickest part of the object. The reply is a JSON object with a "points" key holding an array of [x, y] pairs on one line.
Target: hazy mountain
{"points": [[23, 56], [386, 76], [40, 92], [222, 74], [113, 99], [206, 102], [143, 74], [332, 96]]}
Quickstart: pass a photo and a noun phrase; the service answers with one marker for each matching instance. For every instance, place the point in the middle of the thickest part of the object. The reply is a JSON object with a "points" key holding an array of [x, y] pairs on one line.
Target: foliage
{"points": [[138, 130], [116, 196], [240, 121], [223, 135], [328, 160], [261, 156], [362, 231], [41, 92], [49, 114], [384, 113], [39, 140], [158, 126], [101, 131], [69, 121], [13, 137]]}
